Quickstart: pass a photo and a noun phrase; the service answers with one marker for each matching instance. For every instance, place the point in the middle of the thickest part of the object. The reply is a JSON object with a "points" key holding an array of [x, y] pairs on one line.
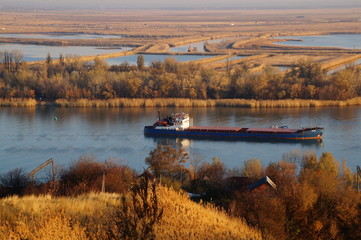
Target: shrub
{"points": [[13, 182], [87, 173], [135, 219]]}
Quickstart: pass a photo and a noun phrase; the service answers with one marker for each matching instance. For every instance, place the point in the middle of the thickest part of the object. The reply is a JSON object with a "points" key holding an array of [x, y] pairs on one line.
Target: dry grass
{"points": [[198, 222], [286, 103], [251, 60], [136, 102], [290, 60], [82, 217], [18, 102], [45, 217], [340, 61], [184, 102], [187, 22], [211, 59]]}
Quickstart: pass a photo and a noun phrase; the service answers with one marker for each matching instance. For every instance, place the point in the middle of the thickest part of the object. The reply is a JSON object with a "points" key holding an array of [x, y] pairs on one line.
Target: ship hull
{"points": [[315, 133]]}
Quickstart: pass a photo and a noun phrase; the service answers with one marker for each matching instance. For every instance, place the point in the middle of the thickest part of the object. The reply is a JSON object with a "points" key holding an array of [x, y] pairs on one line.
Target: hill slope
{"points": [[84, 217]]}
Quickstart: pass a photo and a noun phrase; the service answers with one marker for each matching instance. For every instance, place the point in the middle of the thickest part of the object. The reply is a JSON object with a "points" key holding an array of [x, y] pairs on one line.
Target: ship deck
{"points": [[239, 129], [214, 129], [271, 130]]}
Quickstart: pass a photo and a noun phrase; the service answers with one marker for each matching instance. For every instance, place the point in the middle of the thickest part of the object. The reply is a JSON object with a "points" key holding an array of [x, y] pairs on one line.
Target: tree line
{"points": [[71, 79]]}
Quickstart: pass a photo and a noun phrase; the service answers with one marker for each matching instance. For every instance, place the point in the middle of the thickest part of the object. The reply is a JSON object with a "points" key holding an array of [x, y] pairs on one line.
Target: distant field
{"points": [[156, 30], [160, 24]]}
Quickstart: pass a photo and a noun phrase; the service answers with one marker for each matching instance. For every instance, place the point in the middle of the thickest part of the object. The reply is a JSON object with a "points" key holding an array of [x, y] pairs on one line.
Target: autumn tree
{"points": [[167, 162], [307, 70], [213, 172], [252, 169], [140, 62], [345, 84]]}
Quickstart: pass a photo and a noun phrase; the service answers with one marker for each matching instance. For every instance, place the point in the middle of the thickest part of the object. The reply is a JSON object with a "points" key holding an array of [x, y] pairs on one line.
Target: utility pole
{"points": [[358, 175], [103, 183]]}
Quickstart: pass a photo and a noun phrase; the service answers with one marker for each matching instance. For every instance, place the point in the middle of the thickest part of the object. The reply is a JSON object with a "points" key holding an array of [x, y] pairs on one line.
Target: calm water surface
{"points": [[352, 41], [39, 52], [148, 58], [282, 68], [29, 136]]}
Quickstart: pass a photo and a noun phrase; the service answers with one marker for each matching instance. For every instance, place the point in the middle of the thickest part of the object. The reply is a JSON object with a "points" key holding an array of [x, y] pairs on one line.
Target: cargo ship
{"points": [[178, 124]]}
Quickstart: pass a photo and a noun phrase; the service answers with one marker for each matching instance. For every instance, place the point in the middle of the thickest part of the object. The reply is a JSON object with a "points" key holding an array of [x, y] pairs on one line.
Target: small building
{"points": [[232, 184], [263, 183], [236, 184]]}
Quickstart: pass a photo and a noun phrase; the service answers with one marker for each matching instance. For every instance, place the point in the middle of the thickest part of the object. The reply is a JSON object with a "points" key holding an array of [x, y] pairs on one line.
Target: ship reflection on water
{"points": [[176, 141], [172, 141]]}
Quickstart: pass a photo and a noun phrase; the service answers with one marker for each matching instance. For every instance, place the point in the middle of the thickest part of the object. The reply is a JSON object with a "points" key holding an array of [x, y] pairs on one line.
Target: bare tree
{"points": [[11, 60], [14, 182]]}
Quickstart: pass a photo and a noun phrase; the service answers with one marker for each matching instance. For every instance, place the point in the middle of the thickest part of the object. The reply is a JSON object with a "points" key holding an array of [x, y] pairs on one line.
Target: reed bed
{"points": [[137, 102], [233, 62], [185, 102], [182, 102], [18, 102], [340, 61], [240, 43], [212, 59], [84, 217]]}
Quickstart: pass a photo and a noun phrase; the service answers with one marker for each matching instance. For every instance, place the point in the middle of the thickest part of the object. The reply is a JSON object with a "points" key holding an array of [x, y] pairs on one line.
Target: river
{"points": [[351, 41], [30, 136], [149, 58], [39, 52]]}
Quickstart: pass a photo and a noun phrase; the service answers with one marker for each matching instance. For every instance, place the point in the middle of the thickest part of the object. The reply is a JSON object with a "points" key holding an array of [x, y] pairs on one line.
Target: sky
{"points": [[178, 4]]}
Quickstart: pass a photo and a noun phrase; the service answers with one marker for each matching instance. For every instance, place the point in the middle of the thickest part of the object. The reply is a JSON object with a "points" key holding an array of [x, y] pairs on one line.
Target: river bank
{"points": [[180, 102]]}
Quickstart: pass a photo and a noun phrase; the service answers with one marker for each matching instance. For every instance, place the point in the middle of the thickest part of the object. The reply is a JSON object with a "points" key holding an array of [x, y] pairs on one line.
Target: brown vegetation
{"points": [[87, 174], [313, 198], [18, 102], [155, 213], [320, 202], [73, 81], [248, 29], [87, 217], [83, 176], [141, 22]]}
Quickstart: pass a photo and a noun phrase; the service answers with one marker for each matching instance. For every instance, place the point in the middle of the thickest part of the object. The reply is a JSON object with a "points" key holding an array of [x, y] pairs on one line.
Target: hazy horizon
{"points": [[185, 4]]}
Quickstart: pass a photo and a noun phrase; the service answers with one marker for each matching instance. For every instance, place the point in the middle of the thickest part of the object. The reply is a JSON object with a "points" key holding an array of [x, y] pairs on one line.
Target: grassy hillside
{"points": [[87, 216]]}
